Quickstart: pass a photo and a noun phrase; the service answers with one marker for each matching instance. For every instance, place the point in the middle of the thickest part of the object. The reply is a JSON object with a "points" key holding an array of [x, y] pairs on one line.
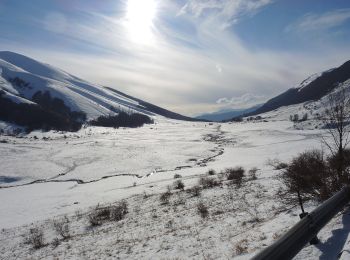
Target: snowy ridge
{"points": [[79, 95], [313, 88], [310, 79], [311, 108], [307, 81]]}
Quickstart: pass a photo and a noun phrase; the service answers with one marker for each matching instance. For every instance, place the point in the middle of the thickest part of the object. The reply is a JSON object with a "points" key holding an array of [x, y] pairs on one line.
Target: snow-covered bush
{"points": [[252, 173], [202, 210], [61, 227], [280, 166], [177, 176], [335, 161], [310, 175], [122, 120], [276, 164], [235, 175], [180, 199], [195, 191], [211, 172], [294, 118], [208, 182], [305, 117], [165, 197], [96, 216], [35, 238], [241, 247], [118, 211], [108, 213], [179, 185]]}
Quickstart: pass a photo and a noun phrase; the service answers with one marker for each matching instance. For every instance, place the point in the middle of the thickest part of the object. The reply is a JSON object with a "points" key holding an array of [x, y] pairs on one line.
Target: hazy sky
{"points": [[190, 56]]}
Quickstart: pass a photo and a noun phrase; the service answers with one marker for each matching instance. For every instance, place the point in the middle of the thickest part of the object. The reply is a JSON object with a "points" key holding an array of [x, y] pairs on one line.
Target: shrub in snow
{"points": [[237, 119], [337, 162], [202, 210], [252, 173], [211, 172], [195, 191], [98, 215], [170, 224], [56, 242], [294, 118], [179, 185], [180, 199], [94, 220], [276, 164], [208, 182], [36, 238], [154, 213], [118, 211], [62, 227], [145, 195], [241, 247], [112, 213], [235, 175], [177, 176], [313, 176], [305, 117], [78, 214], [122, 119], [165, 197], [280, 166]]}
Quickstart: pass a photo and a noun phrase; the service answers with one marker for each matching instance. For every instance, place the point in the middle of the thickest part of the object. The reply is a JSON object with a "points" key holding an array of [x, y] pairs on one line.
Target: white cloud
{"points": [[320, 22], [245, 101], [228, 12], [219, 68]]}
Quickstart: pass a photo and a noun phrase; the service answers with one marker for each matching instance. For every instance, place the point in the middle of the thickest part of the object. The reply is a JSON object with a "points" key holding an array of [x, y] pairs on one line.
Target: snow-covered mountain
{"points": [[312, 88], [22, 77], [307, 113]]}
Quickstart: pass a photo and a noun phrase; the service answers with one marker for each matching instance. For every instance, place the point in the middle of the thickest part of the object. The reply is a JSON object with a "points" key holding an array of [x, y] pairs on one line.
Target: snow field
{"points": [[241, 220]]}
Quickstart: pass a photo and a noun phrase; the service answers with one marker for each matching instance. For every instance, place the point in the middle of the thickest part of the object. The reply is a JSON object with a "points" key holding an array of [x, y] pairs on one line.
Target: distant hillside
{"points": [[227, 114], [30, 89], [313, 88], [155, 109]]}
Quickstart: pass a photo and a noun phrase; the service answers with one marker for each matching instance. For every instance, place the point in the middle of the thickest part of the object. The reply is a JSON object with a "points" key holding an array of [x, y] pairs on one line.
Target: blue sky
{"points": [[191, 56]]}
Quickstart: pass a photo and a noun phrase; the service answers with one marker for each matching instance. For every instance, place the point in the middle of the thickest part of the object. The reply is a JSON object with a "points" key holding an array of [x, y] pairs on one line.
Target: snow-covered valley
{"points": [[174, 130], [46, 176]]}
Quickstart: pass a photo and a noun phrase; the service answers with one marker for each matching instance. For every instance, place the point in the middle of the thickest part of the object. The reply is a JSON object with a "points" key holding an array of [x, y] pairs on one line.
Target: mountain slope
{"points": [[227, 114], [155, 109], [22, 77], [313, 88]]}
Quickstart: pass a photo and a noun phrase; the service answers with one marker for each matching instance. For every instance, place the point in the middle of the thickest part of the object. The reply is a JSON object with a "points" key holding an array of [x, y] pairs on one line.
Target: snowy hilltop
{"points": [[24, 80]]}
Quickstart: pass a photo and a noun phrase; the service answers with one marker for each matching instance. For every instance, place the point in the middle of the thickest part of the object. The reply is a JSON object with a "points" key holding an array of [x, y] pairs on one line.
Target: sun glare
{"points": [[139, 18]]}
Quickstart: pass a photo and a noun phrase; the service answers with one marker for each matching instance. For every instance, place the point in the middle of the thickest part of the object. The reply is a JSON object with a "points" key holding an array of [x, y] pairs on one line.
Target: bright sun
{"points": [[139, 17]]}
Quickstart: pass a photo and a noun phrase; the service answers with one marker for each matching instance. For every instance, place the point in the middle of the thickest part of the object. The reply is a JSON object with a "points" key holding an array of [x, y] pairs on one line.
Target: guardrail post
{"points": [[315, 240], [301, 205]]}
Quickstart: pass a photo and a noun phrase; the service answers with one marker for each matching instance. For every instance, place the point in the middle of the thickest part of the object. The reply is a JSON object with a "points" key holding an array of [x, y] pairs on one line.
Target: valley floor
{"points": [[46, 176]]}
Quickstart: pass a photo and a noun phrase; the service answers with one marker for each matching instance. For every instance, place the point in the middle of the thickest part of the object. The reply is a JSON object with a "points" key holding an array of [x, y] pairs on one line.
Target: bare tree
{"points": [[336, 117]]}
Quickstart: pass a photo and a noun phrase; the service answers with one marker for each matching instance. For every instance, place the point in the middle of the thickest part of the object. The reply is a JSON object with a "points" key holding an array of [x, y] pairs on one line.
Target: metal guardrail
{"points": [[306, 229]]}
